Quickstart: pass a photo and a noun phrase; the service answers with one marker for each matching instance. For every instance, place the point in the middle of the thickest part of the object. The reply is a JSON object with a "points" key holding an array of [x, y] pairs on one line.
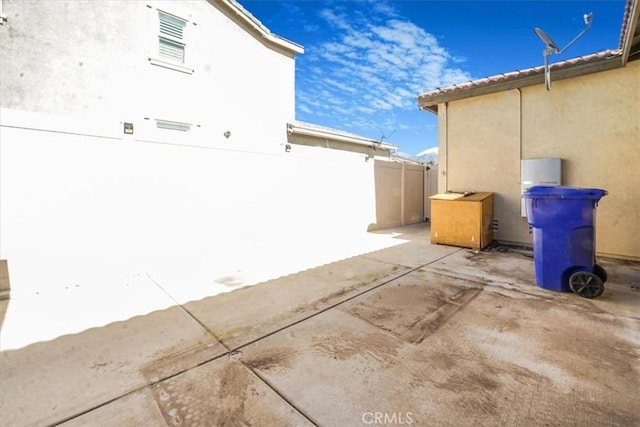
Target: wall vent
{"points": [[167, 124]]}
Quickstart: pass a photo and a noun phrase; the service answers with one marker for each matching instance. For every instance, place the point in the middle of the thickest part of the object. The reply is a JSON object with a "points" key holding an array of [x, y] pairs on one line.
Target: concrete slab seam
{"points": [[276, 391], [202, 325], [96, 407], [492, 285], [230, 351], [297, 322], [425, 334]]}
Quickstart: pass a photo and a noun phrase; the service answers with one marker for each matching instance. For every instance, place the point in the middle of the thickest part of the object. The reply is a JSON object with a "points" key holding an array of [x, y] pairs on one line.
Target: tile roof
{"points": [[581, 65], [258, 26], [626, 22], [518, 78], [630, 32]]}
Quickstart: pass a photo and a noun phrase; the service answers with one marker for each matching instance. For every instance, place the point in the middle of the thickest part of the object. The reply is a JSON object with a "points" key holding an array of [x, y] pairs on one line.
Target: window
{"points": [[171, 38], [169, 41]]}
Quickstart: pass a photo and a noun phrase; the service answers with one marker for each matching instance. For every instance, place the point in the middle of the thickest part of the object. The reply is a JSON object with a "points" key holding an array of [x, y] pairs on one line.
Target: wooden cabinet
{"points": [[462, 220]]}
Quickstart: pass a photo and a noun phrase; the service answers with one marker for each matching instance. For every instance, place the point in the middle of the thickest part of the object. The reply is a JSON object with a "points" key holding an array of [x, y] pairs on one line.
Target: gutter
{"points": [[257, 26], [627, 35], [519, 79], [337, 136]]}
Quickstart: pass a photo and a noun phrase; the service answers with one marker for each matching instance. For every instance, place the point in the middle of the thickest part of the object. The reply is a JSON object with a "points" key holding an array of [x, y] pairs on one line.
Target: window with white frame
{"points": [[170, 41]]}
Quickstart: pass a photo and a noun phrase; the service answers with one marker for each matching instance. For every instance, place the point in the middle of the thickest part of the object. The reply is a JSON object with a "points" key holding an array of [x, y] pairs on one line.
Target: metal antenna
{"points": [[382, 138], [552, 47]]}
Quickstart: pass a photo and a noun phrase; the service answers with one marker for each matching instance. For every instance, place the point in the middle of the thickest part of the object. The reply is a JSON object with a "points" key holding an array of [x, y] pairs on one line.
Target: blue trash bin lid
{"points": [[560, 192]]}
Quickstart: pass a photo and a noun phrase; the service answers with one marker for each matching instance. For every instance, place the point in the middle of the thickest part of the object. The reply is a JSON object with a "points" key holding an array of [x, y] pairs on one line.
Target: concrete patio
{"points": [[412, 333]]}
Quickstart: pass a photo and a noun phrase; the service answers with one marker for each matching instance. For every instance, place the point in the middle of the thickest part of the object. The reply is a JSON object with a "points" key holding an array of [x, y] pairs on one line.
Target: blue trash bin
{"points": [[563, 223]]}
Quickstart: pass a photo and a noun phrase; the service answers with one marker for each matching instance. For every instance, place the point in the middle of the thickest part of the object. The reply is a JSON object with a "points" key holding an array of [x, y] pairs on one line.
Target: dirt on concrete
{"points": [[499, 357], [273, 359], [466, 340], [222, 393], [414, 306]]}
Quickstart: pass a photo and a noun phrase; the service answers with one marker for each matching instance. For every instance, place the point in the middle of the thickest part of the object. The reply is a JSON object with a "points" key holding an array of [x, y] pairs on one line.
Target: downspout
{"points": [[445, 173], [520, 124], [520, 137], [402, 189]]}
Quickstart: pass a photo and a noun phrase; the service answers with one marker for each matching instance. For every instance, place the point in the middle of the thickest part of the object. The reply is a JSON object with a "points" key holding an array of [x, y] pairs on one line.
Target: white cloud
{"points": [[367, 110], [340, 85], [336, 48], [338, 21], [303, 107], [310, 28], [375, 63], [383, 8]]}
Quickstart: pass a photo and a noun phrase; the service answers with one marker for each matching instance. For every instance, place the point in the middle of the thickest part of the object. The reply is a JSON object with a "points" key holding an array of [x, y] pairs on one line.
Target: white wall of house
{"points": [[95, 217], [91, 59], [81, 202]]}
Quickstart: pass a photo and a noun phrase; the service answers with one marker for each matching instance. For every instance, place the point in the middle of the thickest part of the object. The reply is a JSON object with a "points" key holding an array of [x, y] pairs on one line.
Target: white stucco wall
{"points": [[94, 225], [90, 59], [66, 198], [95, 217]]}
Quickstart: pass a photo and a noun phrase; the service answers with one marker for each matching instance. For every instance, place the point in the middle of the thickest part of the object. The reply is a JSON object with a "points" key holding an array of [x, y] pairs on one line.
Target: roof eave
{"points": [[430, 102], [258, 27], [631, 32], [320, 133]]}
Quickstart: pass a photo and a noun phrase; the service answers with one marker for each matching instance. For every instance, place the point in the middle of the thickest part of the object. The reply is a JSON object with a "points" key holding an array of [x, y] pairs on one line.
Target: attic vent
{"points": [[166, 124], [171, 38]]}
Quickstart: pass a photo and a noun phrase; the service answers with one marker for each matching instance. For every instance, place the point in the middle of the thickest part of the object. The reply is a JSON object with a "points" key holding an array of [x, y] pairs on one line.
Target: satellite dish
{"points": [[545, 38], [552, 47]]}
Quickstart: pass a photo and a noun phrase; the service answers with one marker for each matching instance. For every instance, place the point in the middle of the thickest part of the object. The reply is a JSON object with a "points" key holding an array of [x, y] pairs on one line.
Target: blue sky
{"points": [[366, 61]]}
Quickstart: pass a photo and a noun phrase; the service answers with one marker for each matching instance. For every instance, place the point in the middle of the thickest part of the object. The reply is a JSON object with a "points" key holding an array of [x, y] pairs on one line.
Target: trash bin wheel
{"points": [[600, 272], [586, 284]]}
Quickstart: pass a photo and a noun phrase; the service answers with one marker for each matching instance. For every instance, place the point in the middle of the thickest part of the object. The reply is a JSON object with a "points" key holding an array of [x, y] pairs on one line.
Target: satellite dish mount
{"points": [[552, 47]]}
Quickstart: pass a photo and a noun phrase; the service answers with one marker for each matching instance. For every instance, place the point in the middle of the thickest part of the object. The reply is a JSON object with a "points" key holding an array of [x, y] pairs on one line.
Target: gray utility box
{"points": [[544, 171]]}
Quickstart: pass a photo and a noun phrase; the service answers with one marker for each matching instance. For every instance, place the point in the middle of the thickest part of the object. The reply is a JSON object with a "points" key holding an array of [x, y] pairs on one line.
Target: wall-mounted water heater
{"points": [[546, 171]]}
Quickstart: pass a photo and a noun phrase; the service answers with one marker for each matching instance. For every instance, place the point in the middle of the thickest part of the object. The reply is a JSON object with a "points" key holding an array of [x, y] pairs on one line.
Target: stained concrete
{"points": [[138, 408], [223, 392], [503, 358], [243, 316], [464, 338], [54, 380]]}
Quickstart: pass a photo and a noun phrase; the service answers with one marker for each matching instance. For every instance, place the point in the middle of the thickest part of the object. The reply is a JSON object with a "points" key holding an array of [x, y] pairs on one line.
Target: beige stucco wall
{"points": [[483, 154], [591, 122]]}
